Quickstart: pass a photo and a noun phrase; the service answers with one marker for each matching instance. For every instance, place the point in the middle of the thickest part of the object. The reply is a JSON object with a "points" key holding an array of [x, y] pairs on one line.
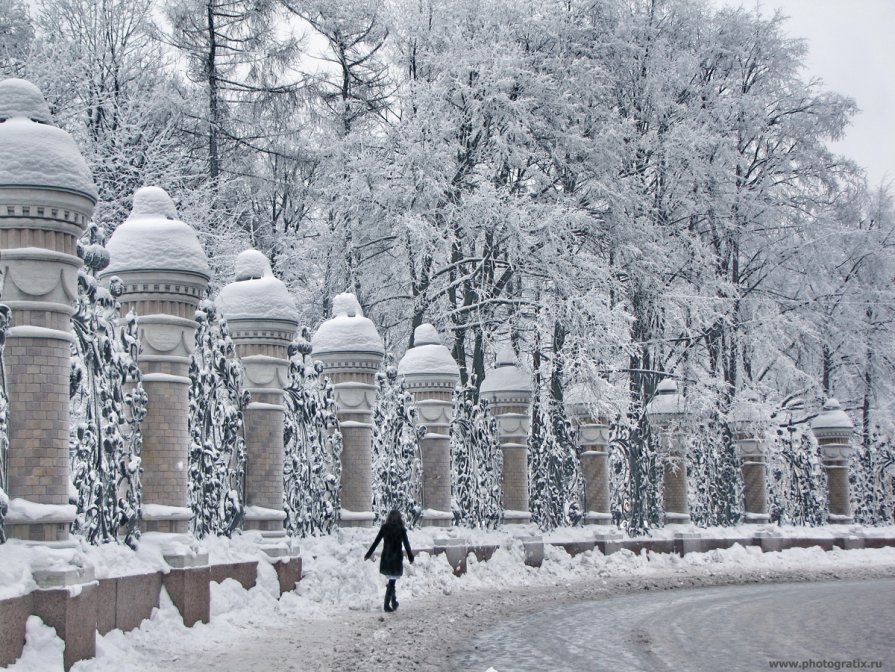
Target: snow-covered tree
{"points": [[397, 463], [217, 454], [715, 483], [313, 445], [16, 34], [108, 405], [4, 423], [635, 475], [872, 477], [476, 461], [556, 487], [798, 484]]}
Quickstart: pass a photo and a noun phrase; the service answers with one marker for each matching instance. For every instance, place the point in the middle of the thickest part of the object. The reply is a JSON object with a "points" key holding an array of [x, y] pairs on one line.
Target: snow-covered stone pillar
{"points": [[261, 315], [431, 375], [508, 389], [165, 275], [351, 351], [665, 412], [593, 438], [833, 429], [747, 422], [47, 197]]}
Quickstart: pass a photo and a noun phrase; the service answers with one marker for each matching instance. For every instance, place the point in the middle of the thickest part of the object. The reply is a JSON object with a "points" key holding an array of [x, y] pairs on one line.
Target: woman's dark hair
{"points": [[394, 516]]}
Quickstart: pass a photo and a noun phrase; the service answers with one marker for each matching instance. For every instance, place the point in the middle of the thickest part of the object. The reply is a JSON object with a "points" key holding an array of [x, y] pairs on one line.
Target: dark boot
{"points": [[389, 596], [394, 598]]}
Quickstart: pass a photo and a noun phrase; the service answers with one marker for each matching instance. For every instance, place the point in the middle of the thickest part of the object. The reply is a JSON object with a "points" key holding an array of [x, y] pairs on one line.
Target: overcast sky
{"points": [[852, 49]]}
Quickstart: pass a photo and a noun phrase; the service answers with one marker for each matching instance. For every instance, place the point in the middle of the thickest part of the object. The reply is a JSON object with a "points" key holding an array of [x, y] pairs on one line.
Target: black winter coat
{"points": [[392, 561]]}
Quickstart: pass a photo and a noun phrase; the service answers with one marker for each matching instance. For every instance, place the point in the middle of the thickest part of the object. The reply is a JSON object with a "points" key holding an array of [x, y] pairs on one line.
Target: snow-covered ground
{"points": [[334, 616]]}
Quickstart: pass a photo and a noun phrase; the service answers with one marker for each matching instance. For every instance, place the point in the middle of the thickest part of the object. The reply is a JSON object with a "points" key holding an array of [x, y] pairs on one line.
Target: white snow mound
{"points": [[153, 202], [428, 355], [261, 298], [150, 240], [40, 155], [507, 376], [347, 304], [347, 334], [251, 265], [20, 98]]}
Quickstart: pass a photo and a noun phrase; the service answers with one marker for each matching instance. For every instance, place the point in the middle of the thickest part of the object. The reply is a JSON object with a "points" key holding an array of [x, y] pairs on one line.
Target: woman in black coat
{"points": [[391, 564]]}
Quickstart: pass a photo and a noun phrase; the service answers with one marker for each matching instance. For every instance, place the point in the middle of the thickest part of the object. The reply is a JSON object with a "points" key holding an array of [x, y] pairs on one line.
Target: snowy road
{"points": [[718, 628]]}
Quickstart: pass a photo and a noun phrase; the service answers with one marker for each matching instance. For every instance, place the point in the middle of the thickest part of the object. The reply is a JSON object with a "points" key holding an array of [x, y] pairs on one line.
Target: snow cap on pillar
{"points": [[832, 421], [580, 399], [428, 355], [33, 151], [507, 376], [747, 414], [152, 238], [256, 293], [667, 403], [347, 330]]}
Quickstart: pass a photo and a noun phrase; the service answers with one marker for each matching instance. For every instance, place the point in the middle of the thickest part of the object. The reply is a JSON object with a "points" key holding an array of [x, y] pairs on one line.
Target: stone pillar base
{"points": [[356, 518], [265, 520], [756, 518], [534, 550], [161, 518], [67, 601], [31, 521], [286, 560], [516, 518], [455, 550], [597, 518], [673, 518], [432, 518], [188, 586]]}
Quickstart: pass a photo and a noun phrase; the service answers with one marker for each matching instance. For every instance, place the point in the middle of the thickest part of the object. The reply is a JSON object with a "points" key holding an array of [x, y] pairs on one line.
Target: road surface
{"points": [[703, 629]]}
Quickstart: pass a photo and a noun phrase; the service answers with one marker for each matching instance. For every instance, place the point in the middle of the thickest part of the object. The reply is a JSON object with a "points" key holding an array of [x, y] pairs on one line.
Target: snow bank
{"points": [[152, 238], [338, 579], [43, 649]]}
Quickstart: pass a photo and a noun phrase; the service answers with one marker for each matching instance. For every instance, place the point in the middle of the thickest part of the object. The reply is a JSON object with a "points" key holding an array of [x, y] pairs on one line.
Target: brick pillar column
{"points": [[747, 422], [165, 275], [47, 197], [351, 351], [593, 438], [431, 375], [261, 315], [833, 429], [508, 389], [665, 412]]}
